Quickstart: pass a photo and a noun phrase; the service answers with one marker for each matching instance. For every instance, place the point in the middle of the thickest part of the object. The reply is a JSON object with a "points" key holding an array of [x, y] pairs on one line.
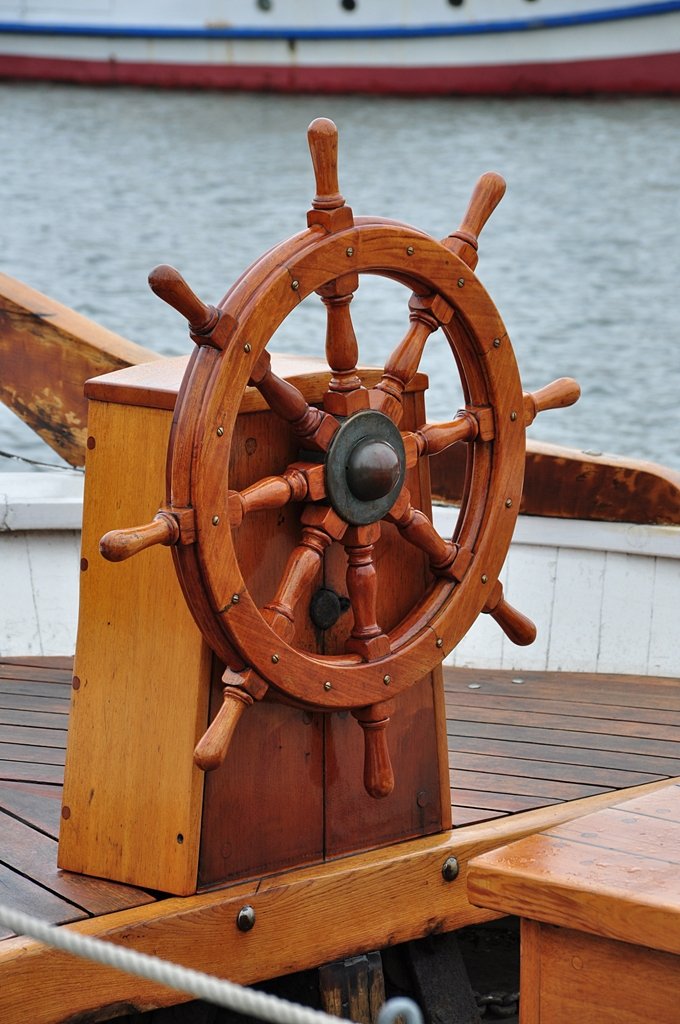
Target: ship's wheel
{"points": [[348, 478]]}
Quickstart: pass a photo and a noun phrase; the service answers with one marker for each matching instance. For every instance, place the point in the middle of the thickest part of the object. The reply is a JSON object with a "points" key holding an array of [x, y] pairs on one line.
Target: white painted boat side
{"points": [[551, 45], [604, 598], [603, 595]]}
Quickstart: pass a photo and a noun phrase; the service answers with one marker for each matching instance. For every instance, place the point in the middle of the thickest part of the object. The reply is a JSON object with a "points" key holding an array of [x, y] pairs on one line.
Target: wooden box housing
{"points": [[136, 809]]}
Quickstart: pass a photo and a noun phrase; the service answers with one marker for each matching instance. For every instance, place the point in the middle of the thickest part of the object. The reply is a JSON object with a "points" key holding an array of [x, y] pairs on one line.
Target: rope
{"points": [[203, 986], [36, 462]]}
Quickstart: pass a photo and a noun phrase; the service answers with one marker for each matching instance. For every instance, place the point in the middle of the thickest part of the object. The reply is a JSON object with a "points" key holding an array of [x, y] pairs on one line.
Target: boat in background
{"points": [[463, 47]]}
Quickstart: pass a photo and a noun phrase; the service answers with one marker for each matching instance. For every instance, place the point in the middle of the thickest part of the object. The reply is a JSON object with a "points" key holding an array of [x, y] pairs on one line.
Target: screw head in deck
{"points": [[450, 869], [245, 919]]}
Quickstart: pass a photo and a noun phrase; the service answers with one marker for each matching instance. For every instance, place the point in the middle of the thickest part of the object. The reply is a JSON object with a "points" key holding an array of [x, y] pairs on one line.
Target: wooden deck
{"points": [[516, 743]]}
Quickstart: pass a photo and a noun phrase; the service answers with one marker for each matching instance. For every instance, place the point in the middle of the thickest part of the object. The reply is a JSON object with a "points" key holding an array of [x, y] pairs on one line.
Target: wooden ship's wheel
{"points": [[348, 476]]}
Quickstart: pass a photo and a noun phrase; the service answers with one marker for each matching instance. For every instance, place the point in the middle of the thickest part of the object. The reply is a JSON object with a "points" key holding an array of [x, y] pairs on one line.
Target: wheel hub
{"points": [[365, 467]]}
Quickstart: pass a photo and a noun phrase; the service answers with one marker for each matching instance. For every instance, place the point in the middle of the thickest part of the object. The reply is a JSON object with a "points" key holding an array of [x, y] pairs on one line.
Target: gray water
{"points": [[582, 257]]}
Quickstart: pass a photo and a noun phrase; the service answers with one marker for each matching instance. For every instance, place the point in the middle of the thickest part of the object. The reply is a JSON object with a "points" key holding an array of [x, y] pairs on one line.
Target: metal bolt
{"points": [[513, 415], [409, 250], [220, 431], [461, 282], [485, 578], [387, 680], [349, 251], [450, 869], [295, 285], [235, 599], [275, 659], [440, 642], [508, 502], [496, 342], [327, 685], [247, 347], [245, 919], [215, 520]]}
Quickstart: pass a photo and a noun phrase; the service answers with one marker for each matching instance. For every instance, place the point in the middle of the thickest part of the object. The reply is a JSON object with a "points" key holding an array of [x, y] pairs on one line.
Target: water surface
{"points": [[582, 257]]}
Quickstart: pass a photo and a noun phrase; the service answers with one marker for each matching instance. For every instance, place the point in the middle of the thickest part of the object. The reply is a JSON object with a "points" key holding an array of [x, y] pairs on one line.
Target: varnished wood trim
{"points": [[303, 918]]}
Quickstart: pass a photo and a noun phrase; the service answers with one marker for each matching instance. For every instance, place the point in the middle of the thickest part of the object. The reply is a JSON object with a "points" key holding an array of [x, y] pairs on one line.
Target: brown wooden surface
{"points": [[612, 873], [570, 976], [47, 352], [141, 703], [31, 775], [571, 484]]}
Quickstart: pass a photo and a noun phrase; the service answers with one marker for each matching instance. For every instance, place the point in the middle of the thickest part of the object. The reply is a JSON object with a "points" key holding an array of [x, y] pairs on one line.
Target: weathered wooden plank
{"points": [[558, 737], [34, 755], [37, 805], [40, 688], [663, 766], [473, 703], [509, 802], [29, 771], [473, 815], [627, 691], [31, 702], [33, 737], [58, 661], [22, 894], [47, 720], [34, 855], [487, 782], [571, 484], [47, 392], [610, 778], [32, 674]]}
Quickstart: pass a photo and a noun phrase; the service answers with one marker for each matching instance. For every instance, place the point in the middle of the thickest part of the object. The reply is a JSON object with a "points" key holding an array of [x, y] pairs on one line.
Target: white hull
{"points": [[484, 46], [626, 576]]}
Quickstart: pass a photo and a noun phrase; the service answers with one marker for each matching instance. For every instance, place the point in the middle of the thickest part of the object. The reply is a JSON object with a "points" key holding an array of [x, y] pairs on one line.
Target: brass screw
{"points": [[387, 680], [275, 659], [215, 520], [410, 250], [513, 415], [327, 685], [295, 285], [220, 431], [508, 502], [440, 642], [461, 282], [349, 251], [247, 347], [485, 578], [496, 342], [235, 599]]}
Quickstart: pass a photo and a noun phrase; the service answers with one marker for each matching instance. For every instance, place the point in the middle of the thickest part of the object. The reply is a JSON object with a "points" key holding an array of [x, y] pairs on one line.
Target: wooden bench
{"points": [[599, 899]]}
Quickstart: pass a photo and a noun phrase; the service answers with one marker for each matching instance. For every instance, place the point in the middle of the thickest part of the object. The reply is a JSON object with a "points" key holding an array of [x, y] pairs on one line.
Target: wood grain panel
{"points": [[145, 691]]}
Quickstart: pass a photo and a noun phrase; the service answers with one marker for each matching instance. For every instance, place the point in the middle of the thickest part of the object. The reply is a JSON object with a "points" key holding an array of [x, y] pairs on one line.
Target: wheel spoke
{"points": [[300, 481], [345, 392], [314, 427], [426, 314], [304, 562], [367, 637], [416, 528]]}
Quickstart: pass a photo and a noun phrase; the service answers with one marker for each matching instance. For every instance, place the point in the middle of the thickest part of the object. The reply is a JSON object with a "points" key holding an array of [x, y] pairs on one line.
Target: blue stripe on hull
{"points": [[389, 32]]}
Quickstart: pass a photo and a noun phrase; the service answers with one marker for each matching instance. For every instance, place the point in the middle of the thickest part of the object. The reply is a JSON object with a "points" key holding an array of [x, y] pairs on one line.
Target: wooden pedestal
{"points": [[136, 809]]}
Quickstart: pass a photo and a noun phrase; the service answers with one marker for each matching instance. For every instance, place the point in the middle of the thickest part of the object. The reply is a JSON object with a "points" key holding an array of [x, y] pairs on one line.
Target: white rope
{"points": [[202, 986]]}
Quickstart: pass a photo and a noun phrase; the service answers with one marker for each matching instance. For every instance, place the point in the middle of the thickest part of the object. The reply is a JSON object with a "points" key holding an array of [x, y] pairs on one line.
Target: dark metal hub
{"points": [[372, 469], [365, 467]]}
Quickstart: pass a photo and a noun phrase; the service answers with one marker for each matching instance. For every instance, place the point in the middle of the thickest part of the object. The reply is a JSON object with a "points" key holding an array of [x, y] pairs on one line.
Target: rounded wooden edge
{"points": [[211, 577]]}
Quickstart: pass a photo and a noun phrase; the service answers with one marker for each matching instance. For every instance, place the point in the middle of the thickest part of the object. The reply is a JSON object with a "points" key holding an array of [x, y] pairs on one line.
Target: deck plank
{"points": [[513, 746], [34, 855], [33, 803]]}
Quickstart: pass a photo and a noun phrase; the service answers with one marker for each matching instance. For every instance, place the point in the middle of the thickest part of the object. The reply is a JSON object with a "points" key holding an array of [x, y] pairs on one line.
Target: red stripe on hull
{"points": [[650, 75]]}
